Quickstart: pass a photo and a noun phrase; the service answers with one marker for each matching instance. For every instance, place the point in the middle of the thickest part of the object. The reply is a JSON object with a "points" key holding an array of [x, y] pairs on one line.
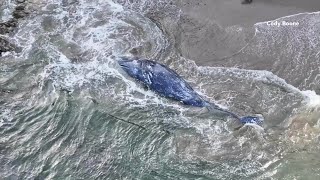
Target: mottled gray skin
{"points": [[168, 83], [162, 80]]}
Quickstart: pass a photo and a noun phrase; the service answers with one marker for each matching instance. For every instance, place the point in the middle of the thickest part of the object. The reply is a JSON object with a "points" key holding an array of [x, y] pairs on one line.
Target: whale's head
{"points": [[132, 67]]}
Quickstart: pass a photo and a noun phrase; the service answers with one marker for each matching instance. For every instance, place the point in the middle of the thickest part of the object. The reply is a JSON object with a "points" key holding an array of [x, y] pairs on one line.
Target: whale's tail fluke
{"points": [[244, 120], [252, 120]]}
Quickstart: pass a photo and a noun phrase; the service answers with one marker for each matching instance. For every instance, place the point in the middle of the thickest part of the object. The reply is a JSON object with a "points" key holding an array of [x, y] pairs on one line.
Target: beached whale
{"points": [[167, 83]]}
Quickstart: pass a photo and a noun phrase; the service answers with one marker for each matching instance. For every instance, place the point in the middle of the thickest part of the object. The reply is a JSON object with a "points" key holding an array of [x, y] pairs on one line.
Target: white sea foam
{"points": [[289, 16], [7, 9], [115, 7], [312, 98], [5, 116]]}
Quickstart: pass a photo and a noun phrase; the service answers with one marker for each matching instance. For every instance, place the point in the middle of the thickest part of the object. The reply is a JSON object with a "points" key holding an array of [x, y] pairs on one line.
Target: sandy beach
{"points": [[232, 12], [224, 33], [206, 27]]}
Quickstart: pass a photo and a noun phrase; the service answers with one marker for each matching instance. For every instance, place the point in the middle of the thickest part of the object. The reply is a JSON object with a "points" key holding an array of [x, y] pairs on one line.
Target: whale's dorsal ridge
{"points": [[167, 83]]}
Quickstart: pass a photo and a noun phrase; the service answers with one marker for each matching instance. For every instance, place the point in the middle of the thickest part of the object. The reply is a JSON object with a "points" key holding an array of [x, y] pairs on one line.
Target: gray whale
{"points": [[167, 83]]}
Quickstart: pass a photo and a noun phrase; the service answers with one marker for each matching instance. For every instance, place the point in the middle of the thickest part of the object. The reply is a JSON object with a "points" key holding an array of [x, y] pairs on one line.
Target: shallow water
{"points": [[58, 93]]}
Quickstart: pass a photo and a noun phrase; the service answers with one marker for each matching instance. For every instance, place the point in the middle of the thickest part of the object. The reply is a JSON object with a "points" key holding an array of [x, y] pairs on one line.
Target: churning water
{"points": [[56, 97]]}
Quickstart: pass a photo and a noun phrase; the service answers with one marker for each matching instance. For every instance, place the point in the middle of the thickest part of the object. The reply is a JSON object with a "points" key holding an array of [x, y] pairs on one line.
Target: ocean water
{"points": [[61, 96]]}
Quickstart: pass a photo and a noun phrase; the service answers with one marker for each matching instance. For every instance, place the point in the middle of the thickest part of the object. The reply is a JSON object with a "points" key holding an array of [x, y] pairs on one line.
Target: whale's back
{"points": [[167, 83]]}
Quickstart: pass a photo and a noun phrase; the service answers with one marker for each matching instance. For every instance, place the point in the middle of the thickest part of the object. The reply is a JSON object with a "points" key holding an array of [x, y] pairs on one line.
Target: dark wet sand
{"points": [[221, 33], [205, 30], [232, 12]]}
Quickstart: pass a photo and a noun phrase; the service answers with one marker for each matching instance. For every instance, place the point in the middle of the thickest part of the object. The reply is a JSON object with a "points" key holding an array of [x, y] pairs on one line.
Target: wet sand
{"points": [[232, 12], [213, 30], [221, 33]]}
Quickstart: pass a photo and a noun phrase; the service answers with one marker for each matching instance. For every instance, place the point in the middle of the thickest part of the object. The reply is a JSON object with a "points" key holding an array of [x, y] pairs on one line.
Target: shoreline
{"points": [[209, 35], [223, 33], [289, 16], [231, 12]]}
